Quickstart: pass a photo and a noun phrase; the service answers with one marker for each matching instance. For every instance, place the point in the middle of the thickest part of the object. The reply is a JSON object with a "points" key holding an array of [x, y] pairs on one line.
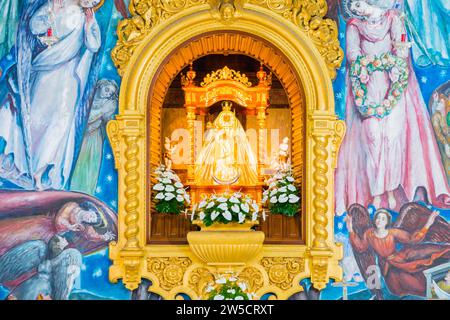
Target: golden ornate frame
{"points": [[301, 48]]}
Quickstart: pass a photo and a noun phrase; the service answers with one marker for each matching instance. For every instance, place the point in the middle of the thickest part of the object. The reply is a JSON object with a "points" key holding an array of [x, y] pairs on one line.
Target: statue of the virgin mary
{"points": [[226, 157]]}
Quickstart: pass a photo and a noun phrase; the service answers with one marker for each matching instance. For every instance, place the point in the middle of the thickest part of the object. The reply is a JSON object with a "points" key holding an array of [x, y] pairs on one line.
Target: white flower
{"points": [[222, 199], [273, 192], [219, 297], [180, 198], [254, 216], [282, 189], [291, 187], [202, 204], [233, 199], [282, 198], [264, 199], [239, 298], [272, 184], [158, 187], [273, 199], [223, 206], [170, 188], [221, 281], [235, 208], [166, 181], [250, 296], [187, 198], [193, 211], [170, 175], [255, 206], [227, 215], [210, 205], [245, 207], [290, 179], [232, 291], [209, 288], [159, 196], [214, 215], [169, 196], [242, 285], [237, 194], [241, 217], [202, 216], [180, 191], [232, 279], [178, 184], [293, 198]]}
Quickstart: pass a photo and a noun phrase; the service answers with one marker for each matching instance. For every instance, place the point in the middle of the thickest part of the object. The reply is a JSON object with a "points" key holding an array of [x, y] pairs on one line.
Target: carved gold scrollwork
{"points": [[168, 270], [145, 14], [225, 74], [253, 278], [198, 280], [282, 270], [309, 15], [319, 268], [114, 138], [339, 132]]}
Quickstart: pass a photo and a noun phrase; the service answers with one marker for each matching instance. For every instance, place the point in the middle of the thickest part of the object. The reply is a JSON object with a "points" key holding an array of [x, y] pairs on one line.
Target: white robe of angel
{"points": [[58, 78]]}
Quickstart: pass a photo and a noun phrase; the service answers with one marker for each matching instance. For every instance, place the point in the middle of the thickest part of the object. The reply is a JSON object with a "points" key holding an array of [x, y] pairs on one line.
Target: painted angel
{"points": [[36, 269], [423, 238], [389, 151], [55, 48]]}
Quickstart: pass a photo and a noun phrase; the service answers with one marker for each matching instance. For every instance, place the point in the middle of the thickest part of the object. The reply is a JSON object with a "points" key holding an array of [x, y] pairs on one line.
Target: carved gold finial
{"points": [[188, 79]]}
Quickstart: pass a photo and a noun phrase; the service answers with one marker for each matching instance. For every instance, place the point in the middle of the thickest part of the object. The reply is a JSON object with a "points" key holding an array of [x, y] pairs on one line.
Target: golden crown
{"points": [[226, 105]]}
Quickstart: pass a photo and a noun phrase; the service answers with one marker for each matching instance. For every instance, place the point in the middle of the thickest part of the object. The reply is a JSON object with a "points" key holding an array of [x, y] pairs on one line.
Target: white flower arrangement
{"points": [[229, 289], [170, 194], [282, 196], [226, 208]]}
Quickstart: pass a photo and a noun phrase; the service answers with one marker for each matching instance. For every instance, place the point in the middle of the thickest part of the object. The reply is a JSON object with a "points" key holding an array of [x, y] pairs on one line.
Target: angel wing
{"points": [[361, 222], [65, 269], [413, 216], [22, 259]]}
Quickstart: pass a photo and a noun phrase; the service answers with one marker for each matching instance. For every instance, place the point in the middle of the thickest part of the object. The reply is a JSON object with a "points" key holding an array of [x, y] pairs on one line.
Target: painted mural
{"points": [[58, 198]]}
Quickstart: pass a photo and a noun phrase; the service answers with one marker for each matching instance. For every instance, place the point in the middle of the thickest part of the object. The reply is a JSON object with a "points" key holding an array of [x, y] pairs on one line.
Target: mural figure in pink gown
{"points": [[389, 151]]}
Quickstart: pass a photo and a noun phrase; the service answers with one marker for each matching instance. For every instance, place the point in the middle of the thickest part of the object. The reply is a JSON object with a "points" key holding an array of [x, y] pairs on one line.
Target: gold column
{"points": [[190, 114], [261, 119], [325, 129], [190, 105], [126, 137]]}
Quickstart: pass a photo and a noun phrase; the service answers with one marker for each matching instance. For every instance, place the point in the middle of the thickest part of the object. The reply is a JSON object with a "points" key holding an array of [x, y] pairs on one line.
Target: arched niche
{"points": [[149, 55]]}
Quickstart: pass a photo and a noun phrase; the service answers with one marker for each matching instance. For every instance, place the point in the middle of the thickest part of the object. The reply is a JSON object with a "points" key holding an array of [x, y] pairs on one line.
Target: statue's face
{"points": [[89, 3], [381, 221], [107, 91]]}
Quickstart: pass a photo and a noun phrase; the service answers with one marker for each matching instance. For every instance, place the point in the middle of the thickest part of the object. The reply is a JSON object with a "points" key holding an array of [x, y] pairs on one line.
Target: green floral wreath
{"points": [[360, 72]]}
